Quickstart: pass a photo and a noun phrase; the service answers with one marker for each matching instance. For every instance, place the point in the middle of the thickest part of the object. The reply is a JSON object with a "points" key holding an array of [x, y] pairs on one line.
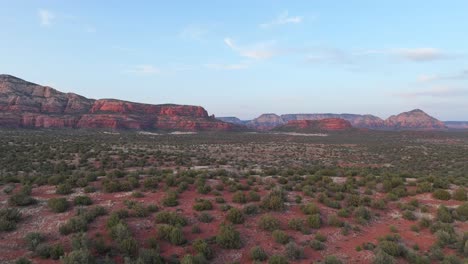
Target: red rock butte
{"points": [[28, 105], [328, 124]]}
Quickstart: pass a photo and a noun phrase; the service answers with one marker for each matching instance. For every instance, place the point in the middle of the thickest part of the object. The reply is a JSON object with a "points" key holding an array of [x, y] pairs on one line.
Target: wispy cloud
{"points": [[283, 19], [144, 69], [45, 17], [230, 67], [463, 75], [258, 51], [437, 91], [422, 54]]}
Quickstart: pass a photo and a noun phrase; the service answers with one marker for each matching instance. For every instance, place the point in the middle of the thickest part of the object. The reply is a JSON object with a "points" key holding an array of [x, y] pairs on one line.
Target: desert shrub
{"points": [[332, 260], [196, 229], [33, 240], [408, 215], [317, 245], [202, 247], [228, 237], [444, 215], [459, 194], [268, 222], [150, 183], [293, 251], [58, 205], [235, 216], [362, 214], [81, 256], [462, 212], [8, 218], [82, 200], [274, 201], [177, 236], [441, 194], [334, 220], [197, 259], [21, 199], [296, 224], [205, 217], [258, 254], [239, 197], [391, 248], [314, 221], [254, 196], [310, 209], [23, 260], [171, 218], [277, 259], [137, 194], [251, 209], [202, 205], [203, 189], [170, 200], [56, 251], [128, 246], [73, 225], [280, 237], [379, 204], [64, 188], [43, 250], [149, 256]]}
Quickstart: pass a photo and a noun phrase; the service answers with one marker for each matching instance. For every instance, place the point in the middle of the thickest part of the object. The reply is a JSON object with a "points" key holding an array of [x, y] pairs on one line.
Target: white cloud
{"points": [[421, 54], [437, 91], [45, 17], [283, 19], [145, 69], [257, 51]]}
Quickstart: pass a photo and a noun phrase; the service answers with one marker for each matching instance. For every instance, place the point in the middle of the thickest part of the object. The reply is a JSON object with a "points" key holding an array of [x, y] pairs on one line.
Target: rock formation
{"points": [[323, 125], [28, 105]]}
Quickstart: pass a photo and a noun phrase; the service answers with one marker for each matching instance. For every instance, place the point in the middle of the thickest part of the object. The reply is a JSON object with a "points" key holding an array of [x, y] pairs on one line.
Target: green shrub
{"points": [[78, 256], [33, 240], [171, 218], [441, 194], [459, 194], [317, 245], [149, 256], [8, 218], [274, 200], [202, 247], [444, 215], [21, 199], [177, 236], [58, 205], [239, 197], [56, 251], [296, 224], [332, 260], [170, 200], [43, 250], [23, 260], [251, 209], [205, 217], [314, 221], [277, 259], [269, 223], [228, 237], [202, 205], [82, 200], [235, 216], [293, 251], [310, 209], [280, 237], [258, 254], [64, 188]]}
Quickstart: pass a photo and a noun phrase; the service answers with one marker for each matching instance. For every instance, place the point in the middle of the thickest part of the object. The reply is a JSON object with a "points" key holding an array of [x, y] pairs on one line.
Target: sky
{"points": [[244, 58]]}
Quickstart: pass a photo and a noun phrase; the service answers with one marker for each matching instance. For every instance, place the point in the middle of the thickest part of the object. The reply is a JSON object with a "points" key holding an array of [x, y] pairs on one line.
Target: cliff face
{"points": [[232, 119], [25, 104], [323, 125]]}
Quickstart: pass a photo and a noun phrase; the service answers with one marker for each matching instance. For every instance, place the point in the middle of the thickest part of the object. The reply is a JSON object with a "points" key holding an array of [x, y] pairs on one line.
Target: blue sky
{"points": [[244, 58]]}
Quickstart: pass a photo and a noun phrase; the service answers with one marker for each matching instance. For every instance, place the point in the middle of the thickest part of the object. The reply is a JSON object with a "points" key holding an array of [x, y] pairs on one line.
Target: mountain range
{"points": [[28, 105], [413, 120]]}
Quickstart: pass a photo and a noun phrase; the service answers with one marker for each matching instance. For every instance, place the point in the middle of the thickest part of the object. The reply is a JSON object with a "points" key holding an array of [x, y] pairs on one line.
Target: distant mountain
{"points": [[232, 120], [311, 126], [456, 125], [412, 120], [361, 121], [28, 105], [266, 122]]}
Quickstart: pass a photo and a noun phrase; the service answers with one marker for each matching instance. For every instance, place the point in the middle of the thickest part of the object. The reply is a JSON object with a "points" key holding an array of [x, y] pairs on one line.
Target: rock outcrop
{"points": [[360, 121], [310, 126], [414, 120], [232, 120], [28, 105], [265, 122]]}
